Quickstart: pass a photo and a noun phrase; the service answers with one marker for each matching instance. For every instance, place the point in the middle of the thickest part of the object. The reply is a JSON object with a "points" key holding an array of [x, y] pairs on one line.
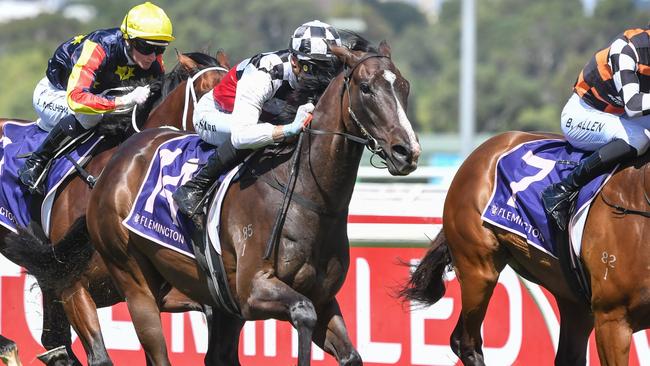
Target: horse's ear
{"points": [[344, 55], [222, 59], [384, 48], [188, 64]]}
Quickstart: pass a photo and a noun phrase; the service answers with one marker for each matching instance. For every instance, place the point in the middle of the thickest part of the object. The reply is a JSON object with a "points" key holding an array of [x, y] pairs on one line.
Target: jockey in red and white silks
{"points": [[237, 116], [243, 105]]}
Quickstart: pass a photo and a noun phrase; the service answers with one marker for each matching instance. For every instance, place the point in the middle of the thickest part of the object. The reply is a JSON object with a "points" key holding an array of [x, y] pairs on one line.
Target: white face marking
{"points": [[401, 115]]}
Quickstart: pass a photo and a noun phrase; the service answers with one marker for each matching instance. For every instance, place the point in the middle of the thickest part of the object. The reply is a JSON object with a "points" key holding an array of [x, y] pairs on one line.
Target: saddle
{"points": [[515, 204]]}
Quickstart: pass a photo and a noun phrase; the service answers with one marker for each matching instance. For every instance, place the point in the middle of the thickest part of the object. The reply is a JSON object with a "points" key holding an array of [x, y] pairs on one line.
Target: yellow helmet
{"points": [[147, 21]]}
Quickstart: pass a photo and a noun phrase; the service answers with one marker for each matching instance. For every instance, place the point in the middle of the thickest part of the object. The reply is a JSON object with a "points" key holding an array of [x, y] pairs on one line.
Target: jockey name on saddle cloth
{"points": [[19, 139], [154, 214], [521, 175]]}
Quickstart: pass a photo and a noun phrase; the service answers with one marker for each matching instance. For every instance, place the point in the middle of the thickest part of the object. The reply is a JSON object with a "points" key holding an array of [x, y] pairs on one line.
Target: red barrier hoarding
{"points": [[383, 330]]}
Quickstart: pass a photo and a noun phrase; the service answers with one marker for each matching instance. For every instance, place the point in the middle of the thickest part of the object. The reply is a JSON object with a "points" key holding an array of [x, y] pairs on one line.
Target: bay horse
{"points": [[72, 294], [614, 253], [300, 279]]}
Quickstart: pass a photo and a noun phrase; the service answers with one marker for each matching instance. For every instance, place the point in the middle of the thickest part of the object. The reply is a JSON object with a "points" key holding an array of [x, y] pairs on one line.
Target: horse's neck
{"points": [[170, 111], [329, 163]]}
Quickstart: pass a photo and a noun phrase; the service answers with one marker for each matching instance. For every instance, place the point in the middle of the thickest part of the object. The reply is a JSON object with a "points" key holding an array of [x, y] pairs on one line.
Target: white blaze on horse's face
{"points": [[401, 114]]}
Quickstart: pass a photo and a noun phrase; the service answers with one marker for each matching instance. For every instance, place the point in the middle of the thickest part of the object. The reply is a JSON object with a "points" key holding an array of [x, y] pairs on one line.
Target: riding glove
{"points": [[303, 116], [138, 96]]}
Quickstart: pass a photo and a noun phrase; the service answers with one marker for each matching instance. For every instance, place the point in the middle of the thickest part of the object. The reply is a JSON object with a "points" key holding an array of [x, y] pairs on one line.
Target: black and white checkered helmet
{"points": [[310, 40]]}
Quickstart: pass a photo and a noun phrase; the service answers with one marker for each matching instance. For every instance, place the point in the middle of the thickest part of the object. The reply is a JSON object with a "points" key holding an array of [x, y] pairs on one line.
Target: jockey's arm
{"points": [[253, 90], [82, 78], [624, 61]]}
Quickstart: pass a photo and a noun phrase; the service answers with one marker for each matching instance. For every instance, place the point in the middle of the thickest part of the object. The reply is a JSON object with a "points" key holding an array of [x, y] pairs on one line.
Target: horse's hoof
{"points": [[54, 355]]}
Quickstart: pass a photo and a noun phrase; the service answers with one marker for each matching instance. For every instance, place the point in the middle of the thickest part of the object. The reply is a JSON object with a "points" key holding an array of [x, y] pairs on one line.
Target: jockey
{"points": [[68, 100], [237, 115], [608, 113]]}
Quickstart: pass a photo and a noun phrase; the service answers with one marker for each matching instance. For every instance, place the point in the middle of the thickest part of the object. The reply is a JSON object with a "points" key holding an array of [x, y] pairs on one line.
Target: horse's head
{"points": [[377, 96]]}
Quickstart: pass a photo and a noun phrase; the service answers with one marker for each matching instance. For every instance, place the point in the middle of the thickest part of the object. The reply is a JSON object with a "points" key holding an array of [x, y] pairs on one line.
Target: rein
{"points": [[621, 210], [189, 91], [368, 141]]}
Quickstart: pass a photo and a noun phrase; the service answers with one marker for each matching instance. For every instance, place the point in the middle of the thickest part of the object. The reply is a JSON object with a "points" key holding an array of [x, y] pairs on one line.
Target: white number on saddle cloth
{"points": [[5, 141], [545, 165], [167, 157]]}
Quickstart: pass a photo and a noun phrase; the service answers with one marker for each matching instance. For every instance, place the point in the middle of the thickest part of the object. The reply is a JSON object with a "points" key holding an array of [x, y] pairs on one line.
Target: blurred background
{"points": [[528, 52]]}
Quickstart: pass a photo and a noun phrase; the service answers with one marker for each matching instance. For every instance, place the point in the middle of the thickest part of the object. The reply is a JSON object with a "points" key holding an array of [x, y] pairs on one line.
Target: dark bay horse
{"points": [[299, 281], [71, 294], [614, 252]]}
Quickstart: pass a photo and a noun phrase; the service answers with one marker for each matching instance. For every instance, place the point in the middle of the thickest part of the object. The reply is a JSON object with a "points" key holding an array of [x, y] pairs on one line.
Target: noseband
{"points": [[368, 140]]}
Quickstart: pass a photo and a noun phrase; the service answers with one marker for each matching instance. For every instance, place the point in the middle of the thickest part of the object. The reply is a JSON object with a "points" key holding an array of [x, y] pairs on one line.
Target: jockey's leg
{"points": [[224, 158], [64, 132], [557, 198]]}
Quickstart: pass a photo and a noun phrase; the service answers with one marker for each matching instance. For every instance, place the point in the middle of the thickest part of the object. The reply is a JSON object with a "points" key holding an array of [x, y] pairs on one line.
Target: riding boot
{"points": [[188, 196], [63, 132], [558, 198]]}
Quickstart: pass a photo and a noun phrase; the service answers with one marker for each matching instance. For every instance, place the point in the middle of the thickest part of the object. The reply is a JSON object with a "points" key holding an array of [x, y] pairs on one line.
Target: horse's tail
{"points": [[52, 265], [427, 282]]}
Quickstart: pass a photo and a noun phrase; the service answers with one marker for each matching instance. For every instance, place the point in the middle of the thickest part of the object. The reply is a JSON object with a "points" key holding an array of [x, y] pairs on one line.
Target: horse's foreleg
{"points": [[173, 301], [223, 341], [56, 326], [272, 298], [613, 337], [82, 313], [576, 323], [142, 306], [332, 336]]}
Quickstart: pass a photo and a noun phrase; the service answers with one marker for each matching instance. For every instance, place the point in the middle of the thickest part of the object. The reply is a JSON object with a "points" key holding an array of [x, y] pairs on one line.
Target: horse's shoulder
{"points": [[629, 176]]}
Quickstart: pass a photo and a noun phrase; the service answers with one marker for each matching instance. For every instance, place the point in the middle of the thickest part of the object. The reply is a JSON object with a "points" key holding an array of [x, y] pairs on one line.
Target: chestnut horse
{"points": [[614, 254], [77, 292], [300, 279]]}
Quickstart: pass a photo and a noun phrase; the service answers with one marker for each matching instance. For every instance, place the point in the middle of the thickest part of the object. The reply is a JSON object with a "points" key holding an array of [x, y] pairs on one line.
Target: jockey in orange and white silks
{"points": [[68, 100], [608, 113], [237, 115]]}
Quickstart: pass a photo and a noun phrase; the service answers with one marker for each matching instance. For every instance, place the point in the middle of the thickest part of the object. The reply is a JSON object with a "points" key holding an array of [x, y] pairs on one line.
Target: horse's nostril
{"points": [[402, 152]]}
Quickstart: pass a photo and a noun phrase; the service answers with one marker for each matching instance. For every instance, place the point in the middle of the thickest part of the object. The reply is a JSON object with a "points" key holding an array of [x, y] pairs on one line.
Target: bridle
{"points": [[367, 140]]}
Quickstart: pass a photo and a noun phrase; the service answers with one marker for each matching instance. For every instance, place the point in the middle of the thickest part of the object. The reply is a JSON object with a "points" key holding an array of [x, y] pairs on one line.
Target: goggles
{"points": [[313, 67], [146, 48]]}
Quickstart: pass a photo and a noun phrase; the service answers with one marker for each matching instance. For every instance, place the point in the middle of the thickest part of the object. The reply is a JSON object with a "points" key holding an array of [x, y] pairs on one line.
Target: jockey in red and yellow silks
{"points": [[69, 99], [86, 65]]}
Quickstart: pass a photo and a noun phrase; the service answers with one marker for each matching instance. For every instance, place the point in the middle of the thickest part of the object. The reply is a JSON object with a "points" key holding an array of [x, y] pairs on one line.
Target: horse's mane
{"points": [[118, 124], [178, 74], [312, 88]]}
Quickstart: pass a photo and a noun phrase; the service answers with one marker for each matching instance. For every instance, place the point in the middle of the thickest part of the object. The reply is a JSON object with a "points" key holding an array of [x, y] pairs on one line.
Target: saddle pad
{"points": [[20, 139], [154, 214], [521, 175]]}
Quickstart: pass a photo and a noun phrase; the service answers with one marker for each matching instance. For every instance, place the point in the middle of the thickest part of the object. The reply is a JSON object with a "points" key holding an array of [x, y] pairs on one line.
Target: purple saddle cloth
{"points": [[20, 139], [154, 214], [521, 175]]}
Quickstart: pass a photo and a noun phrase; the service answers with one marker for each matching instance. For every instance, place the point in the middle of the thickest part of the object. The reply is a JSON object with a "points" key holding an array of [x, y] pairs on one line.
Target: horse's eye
{"points": [[365, 88]]}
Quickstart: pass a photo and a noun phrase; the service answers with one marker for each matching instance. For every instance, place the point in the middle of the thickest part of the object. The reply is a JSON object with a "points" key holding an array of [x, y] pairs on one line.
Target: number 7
{"points": [[545, 165]]}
